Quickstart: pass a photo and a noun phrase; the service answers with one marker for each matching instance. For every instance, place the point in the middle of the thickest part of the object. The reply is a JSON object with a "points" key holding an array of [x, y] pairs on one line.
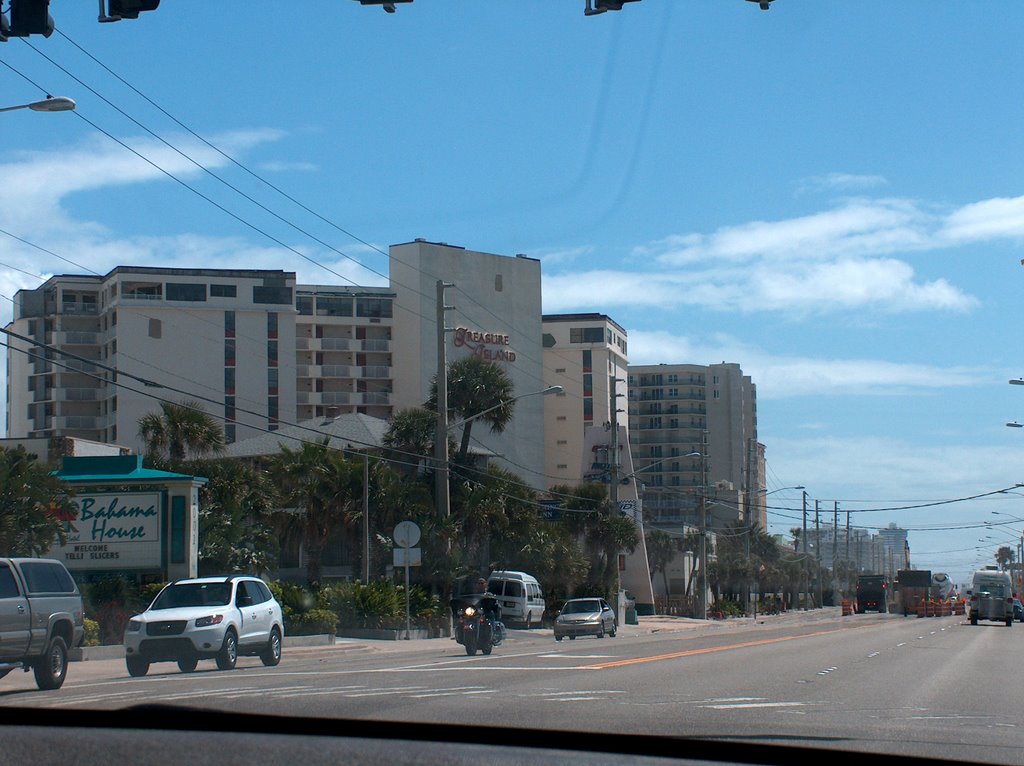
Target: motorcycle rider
{"points": [[491, 610]]}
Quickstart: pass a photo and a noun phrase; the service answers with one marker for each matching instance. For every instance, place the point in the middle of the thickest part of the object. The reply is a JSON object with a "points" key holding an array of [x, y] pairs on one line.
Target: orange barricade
{"points": [[847, 607]]}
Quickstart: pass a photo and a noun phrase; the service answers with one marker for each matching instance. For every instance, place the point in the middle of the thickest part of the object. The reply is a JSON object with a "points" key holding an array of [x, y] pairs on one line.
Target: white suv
{"points": [[206, 618]]}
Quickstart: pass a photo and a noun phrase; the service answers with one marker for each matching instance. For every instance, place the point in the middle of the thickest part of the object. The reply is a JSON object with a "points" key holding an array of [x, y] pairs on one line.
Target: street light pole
{"points": [[49, 104]]}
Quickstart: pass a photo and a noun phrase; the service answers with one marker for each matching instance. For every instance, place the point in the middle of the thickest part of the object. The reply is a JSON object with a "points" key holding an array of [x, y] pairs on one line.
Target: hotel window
{"points": [[223, 291], [272, 353], [272, 324], [379, 308], [588, 361], [229, 352], [229, 380], [185, 292], [333, 306], [229, 324], [272, 381]]}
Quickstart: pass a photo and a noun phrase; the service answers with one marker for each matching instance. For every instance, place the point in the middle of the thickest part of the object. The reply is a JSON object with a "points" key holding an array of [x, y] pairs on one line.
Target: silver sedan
{"points": [[585, 617]]}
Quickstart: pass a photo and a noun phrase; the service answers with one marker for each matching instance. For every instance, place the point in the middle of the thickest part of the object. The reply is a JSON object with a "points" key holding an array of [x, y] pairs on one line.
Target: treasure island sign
{"points": [[491, 346]]}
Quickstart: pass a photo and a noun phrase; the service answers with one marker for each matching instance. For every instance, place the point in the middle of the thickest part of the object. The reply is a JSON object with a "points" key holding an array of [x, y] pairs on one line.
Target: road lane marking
{"points": [[711, 650], [557, 656], [744, 705]]}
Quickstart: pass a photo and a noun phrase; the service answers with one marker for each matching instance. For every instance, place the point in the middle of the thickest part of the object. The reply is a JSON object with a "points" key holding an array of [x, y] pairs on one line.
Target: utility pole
{"points": [[848, 580], [703, 528], [441, 488], [835, 551], [817, 549], [803, 538], [613, 461], [366, 517]]}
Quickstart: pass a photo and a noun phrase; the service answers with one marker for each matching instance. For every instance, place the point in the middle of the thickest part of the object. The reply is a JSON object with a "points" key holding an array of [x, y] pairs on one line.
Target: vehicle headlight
{"points": [[469, 611], [213, 619], [134, 626]]}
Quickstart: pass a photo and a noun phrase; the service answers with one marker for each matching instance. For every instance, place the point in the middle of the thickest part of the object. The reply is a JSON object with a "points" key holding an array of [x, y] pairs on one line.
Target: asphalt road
{"points": [[936, 687]]}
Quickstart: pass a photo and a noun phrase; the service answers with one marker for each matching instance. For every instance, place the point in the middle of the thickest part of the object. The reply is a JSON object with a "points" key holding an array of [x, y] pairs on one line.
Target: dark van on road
{"points": [[872, 591]]}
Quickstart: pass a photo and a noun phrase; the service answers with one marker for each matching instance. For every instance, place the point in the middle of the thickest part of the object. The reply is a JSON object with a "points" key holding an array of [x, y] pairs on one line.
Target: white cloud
{"points": [[797, 288], [989, 219], [858, 227], [841, 182], [780, 377], [281, 167]]}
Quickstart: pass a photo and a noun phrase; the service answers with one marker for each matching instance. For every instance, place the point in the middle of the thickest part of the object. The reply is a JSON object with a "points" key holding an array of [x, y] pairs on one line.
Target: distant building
{"points": [[693, 435], [586, 355]]}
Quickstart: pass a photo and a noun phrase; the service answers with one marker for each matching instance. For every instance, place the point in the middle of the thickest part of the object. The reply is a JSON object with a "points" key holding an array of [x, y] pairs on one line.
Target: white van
{"points": [[991, 597], [519, 595]]}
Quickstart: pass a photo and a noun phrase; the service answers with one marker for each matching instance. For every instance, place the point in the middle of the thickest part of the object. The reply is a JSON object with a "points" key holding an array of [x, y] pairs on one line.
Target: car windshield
{"points": [[579, 607], [193, 594], [704, 315]]}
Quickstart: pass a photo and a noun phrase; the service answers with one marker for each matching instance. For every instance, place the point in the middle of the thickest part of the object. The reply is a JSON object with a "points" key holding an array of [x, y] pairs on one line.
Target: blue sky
{"points": [[829, 194]]}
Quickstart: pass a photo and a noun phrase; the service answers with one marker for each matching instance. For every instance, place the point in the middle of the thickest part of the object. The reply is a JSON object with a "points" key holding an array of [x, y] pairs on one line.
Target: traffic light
{"points": [[600, 6], [388, 5], [30, 17], [128, 9]]}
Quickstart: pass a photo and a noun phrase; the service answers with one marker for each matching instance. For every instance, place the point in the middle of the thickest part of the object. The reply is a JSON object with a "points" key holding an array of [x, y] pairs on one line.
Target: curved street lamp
{"points": [[49, 104]]}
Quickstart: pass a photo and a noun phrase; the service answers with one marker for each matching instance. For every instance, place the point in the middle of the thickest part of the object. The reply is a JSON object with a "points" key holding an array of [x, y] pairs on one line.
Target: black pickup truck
{"points": [[40, 618]]}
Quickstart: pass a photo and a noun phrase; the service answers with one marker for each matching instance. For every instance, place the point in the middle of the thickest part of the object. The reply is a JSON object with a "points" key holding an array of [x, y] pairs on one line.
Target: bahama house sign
{"points": [[130, 520]]}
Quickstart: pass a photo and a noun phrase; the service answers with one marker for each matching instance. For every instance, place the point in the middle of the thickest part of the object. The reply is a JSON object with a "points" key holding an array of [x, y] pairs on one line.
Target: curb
{"points": [[116, 652]]}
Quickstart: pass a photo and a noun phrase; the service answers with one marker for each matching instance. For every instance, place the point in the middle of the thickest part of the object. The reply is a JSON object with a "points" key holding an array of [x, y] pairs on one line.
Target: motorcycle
{"points": [[473, 629]]}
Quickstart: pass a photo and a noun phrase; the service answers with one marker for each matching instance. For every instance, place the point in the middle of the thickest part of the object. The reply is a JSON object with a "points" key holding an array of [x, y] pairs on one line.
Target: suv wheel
{"points": [[137, 666], [187, 662], [272, 654], [228, 654], [52, 668]]}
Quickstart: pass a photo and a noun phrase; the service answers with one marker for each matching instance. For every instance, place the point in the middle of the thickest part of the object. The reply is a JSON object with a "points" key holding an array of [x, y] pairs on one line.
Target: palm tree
{"points": [[323, 491], [410, 438], [1005, 556], [477, 387], [179, 431], [35, 506]]}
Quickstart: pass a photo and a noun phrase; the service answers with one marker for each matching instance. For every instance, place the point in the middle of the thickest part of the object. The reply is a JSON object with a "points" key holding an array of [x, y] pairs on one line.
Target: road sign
{"points": [[407, 557], [406, 534]]}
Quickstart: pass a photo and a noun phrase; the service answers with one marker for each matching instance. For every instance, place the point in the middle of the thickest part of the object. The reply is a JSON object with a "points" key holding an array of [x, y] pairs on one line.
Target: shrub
{"points": [[315, 622], [92, 633]]}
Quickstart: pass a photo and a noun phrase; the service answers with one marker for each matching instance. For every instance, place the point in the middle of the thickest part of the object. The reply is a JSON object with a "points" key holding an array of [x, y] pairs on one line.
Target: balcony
{"points": [[79, 394], [78, 422], [84, 309], [341, 371], [373, 397], [375, 371], [375, 344], [335, 344], [77, 365], [328, 398], [77, 338]]}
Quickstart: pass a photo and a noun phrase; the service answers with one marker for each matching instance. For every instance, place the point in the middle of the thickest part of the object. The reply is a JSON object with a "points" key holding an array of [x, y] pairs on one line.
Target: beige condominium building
{"points": [[693, 434], [224, 338], [257, 351], [587, 437], [494, 313], [586, 355]]}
